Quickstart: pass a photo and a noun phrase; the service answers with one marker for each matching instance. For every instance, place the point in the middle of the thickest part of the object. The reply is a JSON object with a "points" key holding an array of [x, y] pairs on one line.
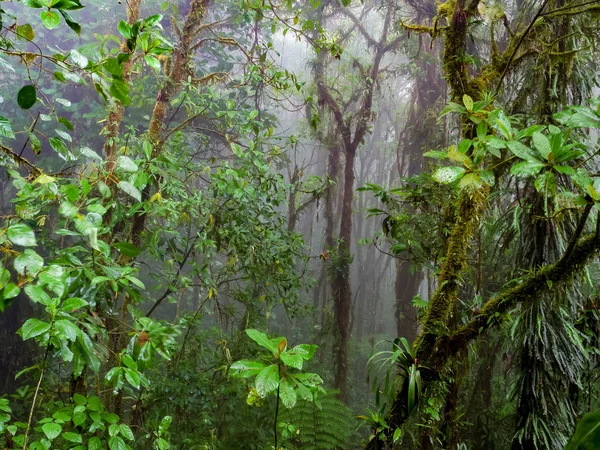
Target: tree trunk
{"points": [[342, 290]]}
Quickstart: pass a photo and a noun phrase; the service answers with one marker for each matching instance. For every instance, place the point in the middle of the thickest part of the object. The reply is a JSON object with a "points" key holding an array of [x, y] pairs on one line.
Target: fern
{"points": [[326, 424]]}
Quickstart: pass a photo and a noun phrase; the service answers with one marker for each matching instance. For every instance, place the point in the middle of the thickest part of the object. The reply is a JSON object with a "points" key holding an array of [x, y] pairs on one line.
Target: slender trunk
{"points": [[179, 71], [342, 291], [115, 116]]}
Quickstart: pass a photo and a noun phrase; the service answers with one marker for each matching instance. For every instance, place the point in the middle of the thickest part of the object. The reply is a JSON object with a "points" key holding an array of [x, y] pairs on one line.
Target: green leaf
{"points": [[527, 168], [448, 174], [27, 96], [120, 91], [397, 435], [5, 128], [587, 433], [542, 144], [79, 399], [287, 393], [152, 62], [93, 235], [37, 294], [94, 443], [292, 360], [133, 377], [72, 437], [520, 150], [79, 59], [117, 443], [488, 177], [470, 181], [67, 5], [61, 149], [32, 328], [25, 31], [28, 262], [51, 430], [502, 124], [263, 340], [124, 29], [44, 179], [126, 432], [267, 380], [113, 430], [11, 290], [73, 304], [50, 19], [126, 164], [67, 329], [127, 249], [246, 368], [130, 189], [468, 102], [307, 351], [21, 234], [436, 154], [70, 22]]}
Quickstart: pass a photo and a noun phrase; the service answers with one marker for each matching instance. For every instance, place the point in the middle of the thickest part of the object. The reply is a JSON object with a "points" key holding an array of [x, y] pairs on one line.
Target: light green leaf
{"points": [[72, 437], [73, 304], [287, 393], [267, 380], [50, 19], [130, 189], [94, 443], [5, 128], [307, 351], [21, 234], [51, 430], [292, 360], [152, 62], [520, 150], [67, 329], [37, 294], [542, 144], [126, 432], [263, 340], [526, 168], [79, 59], [126, 164], [246, 368], [117, 443], [468, 102], [28, 262], [448, 174]]}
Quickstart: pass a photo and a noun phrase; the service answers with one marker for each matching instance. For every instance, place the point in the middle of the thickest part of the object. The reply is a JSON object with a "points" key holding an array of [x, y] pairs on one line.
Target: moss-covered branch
{"points": [[544, 279]]}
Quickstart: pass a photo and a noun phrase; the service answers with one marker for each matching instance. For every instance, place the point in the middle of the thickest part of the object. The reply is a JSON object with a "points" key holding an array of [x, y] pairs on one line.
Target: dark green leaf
{"points": [[27, 96]]}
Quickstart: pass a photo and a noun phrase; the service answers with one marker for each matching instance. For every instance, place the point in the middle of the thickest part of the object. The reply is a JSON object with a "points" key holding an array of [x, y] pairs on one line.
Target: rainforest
{"points": [[299, 224]]}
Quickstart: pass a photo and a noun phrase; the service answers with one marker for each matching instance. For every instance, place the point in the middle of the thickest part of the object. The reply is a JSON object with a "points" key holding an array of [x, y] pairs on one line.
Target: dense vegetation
{"points": [[262, 224]]}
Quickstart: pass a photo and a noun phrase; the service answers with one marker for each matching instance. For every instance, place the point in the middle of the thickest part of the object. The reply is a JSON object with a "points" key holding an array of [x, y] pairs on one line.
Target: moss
{"points": [[442, 303], [446, 9]]}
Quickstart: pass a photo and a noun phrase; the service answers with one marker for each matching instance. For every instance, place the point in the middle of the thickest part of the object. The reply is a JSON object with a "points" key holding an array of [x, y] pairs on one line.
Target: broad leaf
{"points": [[267, 380], [448, 174], [287, 393], [587, 433], [51, 430], [263, 340], [34, 327], [246, 368], [21, 234]]}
